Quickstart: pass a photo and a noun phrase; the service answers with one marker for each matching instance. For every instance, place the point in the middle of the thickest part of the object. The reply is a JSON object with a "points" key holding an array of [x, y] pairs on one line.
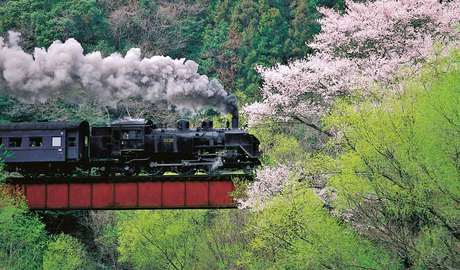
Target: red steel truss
{"points": [[119, 192]]}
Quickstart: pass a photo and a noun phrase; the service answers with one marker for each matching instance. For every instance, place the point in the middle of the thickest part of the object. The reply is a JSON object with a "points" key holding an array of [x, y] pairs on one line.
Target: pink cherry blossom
{"points": [[268, 183], [363, 49]]}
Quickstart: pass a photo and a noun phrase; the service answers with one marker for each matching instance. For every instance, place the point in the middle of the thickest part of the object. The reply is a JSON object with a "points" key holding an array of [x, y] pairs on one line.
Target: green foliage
{"points": [[64, 252], [277, 146], [42, 22], [401, 163], [295, 232], [242, 35], [435, 249], [158, 27], [213, 42], [223, 242], [107, 243], [303, 27], [22, 235], [54, 109], [24, 243], [165, 239], [182, 239], [10, 111]]}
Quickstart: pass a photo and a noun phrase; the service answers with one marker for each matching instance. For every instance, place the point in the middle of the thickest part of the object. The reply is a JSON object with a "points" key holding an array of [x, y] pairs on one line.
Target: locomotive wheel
{"points": [[129, 170], [156, 171], [203, 169], [30, 173], [105, 171], [60, 172]]}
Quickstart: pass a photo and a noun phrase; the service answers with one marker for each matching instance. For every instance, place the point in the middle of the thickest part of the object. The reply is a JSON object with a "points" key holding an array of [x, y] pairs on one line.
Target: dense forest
{"points": [[228, 39], [355, 105]]}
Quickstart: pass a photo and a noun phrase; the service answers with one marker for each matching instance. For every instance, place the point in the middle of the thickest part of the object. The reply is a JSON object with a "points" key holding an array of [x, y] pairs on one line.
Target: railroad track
{"points": [[121, 178]]}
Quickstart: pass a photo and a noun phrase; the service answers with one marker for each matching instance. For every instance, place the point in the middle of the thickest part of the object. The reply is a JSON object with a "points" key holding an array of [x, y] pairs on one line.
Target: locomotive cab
{"points": [[129, 136], [124, 140]]}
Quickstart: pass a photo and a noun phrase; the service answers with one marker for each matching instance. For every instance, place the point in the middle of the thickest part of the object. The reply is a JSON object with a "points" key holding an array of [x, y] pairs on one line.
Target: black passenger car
{"points": [[45, 147]]}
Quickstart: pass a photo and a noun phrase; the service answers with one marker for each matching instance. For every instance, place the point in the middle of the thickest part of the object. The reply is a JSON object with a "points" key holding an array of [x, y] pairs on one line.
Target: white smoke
{"points": [[63, 70]]}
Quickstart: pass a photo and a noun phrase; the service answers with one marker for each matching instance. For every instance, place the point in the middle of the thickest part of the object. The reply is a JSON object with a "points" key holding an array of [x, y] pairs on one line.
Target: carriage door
{"points": [[72, 144]]}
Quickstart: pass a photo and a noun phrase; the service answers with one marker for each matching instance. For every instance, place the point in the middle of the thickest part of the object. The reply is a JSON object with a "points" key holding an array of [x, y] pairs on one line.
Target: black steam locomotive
{"points": [[127, 147]]}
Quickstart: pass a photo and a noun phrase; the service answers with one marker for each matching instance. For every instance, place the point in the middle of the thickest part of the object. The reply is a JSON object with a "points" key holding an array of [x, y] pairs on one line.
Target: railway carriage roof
{"points": [[44, 125]]}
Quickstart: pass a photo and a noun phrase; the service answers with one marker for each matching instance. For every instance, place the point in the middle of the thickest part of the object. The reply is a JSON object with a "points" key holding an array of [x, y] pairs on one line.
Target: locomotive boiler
{"points": [[128, 147]]}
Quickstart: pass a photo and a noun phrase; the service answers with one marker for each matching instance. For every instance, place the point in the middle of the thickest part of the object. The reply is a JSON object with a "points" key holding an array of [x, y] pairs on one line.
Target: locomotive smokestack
{"points": [[232, 107], [235, 121]]}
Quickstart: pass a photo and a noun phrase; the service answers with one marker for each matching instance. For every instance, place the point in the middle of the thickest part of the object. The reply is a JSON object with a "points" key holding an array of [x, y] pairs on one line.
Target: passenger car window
{"points": [[72, 141], [35, 142], [56, 142], [15, 142]]}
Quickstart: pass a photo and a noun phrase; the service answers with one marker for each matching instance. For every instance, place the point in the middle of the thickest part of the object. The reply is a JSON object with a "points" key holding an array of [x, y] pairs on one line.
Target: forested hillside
{"points": [[228, 39], [355, 105]]}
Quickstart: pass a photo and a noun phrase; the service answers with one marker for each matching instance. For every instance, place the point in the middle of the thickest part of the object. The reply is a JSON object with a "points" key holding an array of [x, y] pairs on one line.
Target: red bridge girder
{"points": [[137, 192]]}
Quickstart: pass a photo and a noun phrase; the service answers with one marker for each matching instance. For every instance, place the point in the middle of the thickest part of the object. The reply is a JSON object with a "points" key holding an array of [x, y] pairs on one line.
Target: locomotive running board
{"points": [[127, 192]]}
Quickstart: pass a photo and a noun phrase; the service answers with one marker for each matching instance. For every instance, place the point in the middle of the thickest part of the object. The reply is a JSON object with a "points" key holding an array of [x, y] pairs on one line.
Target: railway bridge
{"points": [[127, 192]]}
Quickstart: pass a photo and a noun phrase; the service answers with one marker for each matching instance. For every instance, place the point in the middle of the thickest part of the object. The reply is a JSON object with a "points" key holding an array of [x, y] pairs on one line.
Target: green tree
{"points": [[399, 176], [295, 231], [165, 239], [159, 27], [262, 45], [303, 27], [216, 52], [64, 252], [22, 235], [224, 241], [42, 22], [241, 35]]}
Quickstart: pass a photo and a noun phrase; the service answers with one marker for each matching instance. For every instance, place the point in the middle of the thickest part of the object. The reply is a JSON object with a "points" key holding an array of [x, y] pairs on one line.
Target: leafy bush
{"points": [[64, 252], [22, 235]]}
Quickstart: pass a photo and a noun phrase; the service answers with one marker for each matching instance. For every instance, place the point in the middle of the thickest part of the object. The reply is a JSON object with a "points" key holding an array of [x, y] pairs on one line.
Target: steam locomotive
{"points": [[127, 147]]}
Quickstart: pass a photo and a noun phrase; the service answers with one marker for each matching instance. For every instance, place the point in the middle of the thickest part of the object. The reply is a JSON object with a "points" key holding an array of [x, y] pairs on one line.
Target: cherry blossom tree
{"points": [[357, 52], [269, 182], [364, 50]]}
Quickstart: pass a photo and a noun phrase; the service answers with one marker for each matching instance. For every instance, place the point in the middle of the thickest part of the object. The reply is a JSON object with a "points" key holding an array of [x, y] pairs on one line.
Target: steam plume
{"points": [[63, 70]]}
